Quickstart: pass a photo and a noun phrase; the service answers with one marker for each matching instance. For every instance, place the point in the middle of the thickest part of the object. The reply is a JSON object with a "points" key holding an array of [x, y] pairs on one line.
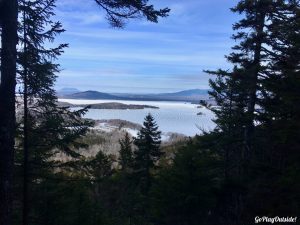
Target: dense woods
{"points": [[248, 166]]}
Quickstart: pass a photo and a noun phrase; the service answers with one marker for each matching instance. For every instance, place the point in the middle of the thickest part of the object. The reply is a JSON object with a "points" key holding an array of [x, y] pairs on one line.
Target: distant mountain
{"points": [[193, 95], [186, 94], [67, 91], [92, 95], [192, 92]]}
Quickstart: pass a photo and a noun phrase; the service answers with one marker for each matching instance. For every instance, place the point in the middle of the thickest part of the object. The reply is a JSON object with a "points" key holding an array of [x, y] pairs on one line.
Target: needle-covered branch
{"points": [[119, 11]]}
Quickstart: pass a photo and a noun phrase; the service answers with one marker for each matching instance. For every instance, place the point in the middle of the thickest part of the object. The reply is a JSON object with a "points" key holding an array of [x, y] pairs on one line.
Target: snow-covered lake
{"points": [[176, 117]]}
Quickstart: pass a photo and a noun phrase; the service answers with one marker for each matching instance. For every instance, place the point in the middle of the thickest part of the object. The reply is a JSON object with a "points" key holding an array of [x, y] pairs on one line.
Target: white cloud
{"points": [[172, 52], [144, 56]]}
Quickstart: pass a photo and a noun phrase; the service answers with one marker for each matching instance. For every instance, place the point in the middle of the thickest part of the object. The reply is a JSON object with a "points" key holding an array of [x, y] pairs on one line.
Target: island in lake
{"points": [[108, 105]]}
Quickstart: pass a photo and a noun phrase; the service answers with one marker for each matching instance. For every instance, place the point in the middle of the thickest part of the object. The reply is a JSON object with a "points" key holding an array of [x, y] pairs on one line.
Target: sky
{"points": [[144, 57]]}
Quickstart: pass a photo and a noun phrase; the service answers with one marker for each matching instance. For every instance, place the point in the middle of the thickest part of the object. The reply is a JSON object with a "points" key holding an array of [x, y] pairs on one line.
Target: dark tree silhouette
{"points": [[148, 151], [117, 12], [41, 116], [7, 105], [253, 99], [125, 153]]}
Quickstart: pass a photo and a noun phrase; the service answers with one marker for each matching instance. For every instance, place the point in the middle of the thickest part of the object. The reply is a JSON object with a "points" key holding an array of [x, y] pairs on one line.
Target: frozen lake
{"points": [[176, 117]]}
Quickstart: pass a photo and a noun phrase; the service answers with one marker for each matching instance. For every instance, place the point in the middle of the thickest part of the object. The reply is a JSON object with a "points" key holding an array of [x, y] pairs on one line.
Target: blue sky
{"points": [[144, 57]]}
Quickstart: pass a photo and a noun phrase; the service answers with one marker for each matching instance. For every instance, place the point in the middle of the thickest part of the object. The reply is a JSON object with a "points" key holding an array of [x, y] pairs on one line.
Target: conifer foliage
{"points": [[148, 151], [148, 144], [45, 128], [8, 23], [258, 101], [126, 154], [118, 12]]}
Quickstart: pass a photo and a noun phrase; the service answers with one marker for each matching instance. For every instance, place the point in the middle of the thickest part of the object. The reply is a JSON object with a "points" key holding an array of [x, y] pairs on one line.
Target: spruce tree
{"points": [[46, 128], [278, 117], [8, 23], [186, 190], [125, 153], [228, 92], [252, 101], [279, 105], [148, 151]]}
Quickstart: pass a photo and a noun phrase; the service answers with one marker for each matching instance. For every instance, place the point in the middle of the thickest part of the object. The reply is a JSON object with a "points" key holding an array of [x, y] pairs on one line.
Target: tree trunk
{"points": [[7, 107], [25, 131]]}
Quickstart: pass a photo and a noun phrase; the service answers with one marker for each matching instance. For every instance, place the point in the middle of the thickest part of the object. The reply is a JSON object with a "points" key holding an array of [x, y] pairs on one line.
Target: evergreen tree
{"points": [[146, 157], [186, 190], [252, 101], [278, 117], [46, 128], [228, 92], [99, 166], [279, 109], [125, 153], [8, 23], [148, 151]]}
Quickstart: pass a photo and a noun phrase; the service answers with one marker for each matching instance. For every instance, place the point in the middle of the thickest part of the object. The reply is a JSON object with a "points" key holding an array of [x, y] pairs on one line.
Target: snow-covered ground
{"points": [[107, 127]]}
